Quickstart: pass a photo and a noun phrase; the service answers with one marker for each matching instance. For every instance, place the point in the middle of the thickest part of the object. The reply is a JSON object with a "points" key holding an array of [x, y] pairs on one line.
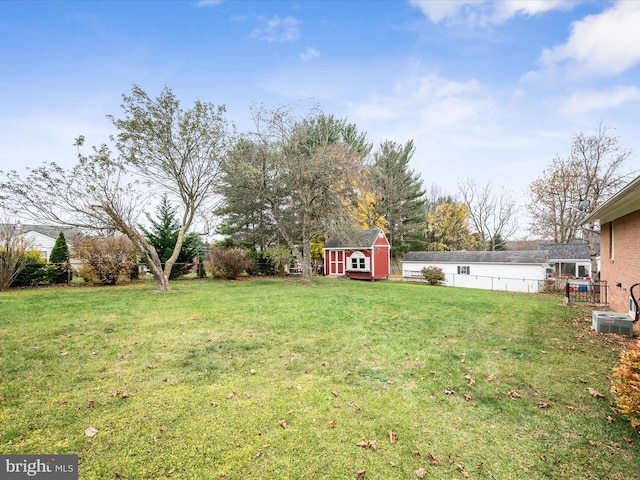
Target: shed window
{"points": [[358, 261], [464, 270]]}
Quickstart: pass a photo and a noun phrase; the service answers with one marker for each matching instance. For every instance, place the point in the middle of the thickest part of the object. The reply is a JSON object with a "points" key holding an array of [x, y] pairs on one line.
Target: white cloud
{"points": [[276, 29], [600, 45], [309, 54], [422, 104], [485, 12], [586, 101]]}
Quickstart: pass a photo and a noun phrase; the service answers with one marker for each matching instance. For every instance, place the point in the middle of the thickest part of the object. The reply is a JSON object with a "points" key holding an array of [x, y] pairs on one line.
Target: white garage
{"points": [[514, 271]]}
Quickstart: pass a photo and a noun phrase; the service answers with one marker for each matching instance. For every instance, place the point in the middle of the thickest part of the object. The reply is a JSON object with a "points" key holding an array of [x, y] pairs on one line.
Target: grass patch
{"points": [[274, 379]]}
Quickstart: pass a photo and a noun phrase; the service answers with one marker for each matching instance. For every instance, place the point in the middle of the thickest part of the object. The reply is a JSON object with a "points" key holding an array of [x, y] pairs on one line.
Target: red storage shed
{"points": [[363, 255]]}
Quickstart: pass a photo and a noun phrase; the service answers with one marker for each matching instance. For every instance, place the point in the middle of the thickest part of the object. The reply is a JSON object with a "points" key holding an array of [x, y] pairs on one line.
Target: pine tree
{"points": [[60, 258], [163, 236]]}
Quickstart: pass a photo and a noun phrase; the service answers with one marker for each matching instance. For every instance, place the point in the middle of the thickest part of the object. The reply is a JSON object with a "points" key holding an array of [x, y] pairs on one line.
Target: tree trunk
{"points": [[591, 240]]}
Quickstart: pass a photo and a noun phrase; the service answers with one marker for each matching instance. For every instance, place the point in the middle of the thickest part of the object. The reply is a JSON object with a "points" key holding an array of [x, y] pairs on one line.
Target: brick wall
{"points": [[623, 265]]}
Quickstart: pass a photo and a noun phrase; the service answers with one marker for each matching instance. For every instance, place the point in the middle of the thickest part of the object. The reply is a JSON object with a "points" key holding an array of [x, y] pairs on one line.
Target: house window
{"points": [[358, 261], [464, 270]]}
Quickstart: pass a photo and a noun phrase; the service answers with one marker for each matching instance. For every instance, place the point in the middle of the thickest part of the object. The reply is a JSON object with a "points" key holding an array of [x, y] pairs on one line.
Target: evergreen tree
{"points": [[401, 194], [163, 236], [60, 258]]}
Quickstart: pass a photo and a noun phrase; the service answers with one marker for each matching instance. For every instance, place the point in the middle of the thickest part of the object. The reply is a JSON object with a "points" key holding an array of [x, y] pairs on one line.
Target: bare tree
{"points": [[14, 247], [162, 149], [493, 215], [570, 187]]}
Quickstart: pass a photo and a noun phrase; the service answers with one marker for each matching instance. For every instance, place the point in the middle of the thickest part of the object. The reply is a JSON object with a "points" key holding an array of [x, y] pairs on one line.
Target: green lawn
{"points": [[272, 379]]}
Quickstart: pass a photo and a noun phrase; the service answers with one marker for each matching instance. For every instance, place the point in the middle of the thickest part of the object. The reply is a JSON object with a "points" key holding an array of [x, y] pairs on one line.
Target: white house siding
{"points": [[40, 243], [499, 271], [513, 278]]}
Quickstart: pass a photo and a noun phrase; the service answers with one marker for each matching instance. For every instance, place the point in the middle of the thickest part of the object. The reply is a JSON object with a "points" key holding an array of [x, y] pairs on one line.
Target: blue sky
{"points": [[488, 90]]}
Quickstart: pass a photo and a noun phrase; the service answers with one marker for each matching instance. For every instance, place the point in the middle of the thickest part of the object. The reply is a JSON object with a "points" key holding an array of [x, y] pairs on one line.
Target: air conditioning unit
{"points": [[609, 322]]}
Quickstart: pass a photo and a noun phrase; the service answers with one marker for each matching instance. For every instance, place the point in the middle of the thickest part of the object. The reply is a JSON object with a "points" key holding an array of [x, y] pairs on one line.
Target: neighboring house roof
{"points": [[626, 201], [354, 240], [51, 231], [521, 256], [568, 251]]}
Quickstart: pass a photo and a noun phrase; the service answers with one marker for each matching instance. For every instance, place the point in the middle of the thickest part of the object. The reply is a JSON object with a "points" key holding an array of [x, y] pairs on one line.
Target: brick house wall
{"points": [[620, 258]]}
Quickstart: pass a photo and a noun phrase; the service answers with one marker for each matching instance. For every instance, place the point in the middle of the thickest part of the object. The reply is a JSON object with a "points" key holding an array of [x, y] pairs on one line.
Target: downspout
{"points": [[635, 302]]}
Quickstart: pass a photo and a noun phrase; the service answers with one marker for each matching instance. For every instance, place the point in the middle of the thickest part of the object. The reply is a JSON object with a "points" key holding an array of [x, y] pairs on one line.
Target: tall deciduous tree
{"points": [[572, 186], [304, 171], [494, 216], [448, 228], [162, 148], [401, 197]]}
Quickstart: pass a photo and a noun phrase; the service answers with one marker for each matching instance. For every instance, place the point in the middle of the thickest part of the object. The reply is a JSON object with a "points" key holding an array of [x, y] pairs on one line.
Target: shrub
{"points": [[227, 263], [108, 257], [36, 271], [626, 386], [280, 257], [14, 248], [433, 275], [262, 264]]}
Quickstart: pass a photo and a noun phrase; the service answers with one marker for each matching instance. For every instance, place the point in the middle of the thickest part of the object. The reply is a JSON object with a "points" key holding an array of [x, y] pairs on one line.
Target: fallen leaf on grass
{"points": [[372, 444], [628, 440], [334, 393], [393, 437], [542, 457], [333, 424], [64, 354], [513, 394], [544, 405], [471, 380], [594, 393], [572, 409], [610, 419], [355, 406], [461, 469], [283, 424], [491, 378], [421, 472], [90, 432], [466, 397], [361, 474], [432, 460], [582, 380], [449, 392]]}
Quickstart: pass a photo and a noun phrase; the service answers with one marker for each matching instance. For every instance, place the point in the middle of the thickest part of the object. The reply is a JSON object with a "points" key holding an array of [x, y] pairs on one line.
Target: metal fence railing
{"points": [[586, 291]]}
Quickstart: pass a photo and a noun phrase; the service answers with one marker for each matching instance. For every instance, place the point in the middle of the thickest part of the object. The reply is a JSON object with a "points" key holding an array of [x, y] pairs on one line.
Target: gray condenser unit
{"points": [[609, 322]]}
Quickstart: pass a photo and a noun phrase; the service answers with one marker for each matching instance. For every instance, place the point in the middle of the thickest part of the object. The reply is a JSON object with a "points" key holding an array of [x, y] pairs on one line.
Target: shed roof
{"points": [[356, 239], [521, 256]]}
